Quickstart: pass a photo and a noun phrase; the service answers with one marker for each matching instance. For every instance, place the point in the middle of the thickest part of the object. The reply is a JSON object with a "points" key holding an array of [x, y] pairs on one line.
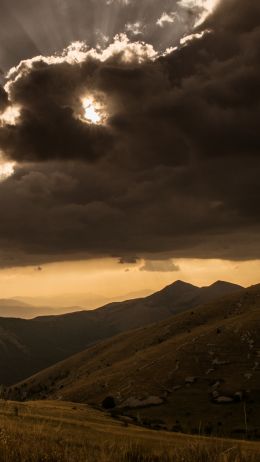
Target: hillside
{"points": [[196, 370], [27, 346]]}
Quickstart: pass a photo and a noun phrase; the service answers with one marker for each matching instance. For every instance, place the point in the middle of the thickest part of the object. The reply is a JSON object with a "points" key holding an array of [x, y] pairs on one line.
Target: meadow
{"points": [[48, 431]]}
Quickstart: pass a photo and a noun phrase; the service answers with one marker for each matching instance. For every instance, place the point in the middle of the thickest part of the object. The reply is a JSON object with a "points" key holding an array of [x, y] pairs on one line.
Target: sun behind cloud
{"points": [[91, 113], [94, 111]]}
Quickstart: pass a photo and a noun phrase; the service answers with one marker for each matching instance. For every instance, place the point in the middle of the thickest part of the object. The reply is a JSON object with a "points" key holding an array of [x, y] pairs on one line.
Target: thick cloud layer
{"points": [[3, 99], [173, 172]]}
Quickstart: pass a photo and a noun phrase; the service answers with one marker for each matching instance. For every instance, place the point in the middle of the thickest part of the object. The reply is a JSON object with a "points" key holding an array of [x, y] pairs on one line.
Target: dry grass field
{"points": [[47, 431]]}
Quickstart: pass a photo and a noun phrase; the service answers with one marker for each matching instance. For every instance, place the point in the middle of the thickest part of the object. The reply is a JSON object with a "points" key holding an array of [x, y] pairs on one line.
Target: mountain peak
{"points": [[222, 284], [177, 293], [180, 284], [219, 289]]}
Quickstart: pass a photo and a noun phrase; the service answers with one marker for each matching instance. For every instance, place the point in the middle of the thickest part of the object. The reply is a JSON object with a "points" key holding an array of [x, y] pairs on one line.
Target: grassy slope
{"points": [[67, 432], [218, 343], [27, 346]]}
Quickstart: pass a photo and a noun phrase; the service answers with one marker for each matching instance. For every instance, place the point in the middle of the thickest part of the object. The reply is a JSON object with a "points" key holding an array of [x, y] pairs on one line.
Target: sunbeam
{"points": [[48, 26]]}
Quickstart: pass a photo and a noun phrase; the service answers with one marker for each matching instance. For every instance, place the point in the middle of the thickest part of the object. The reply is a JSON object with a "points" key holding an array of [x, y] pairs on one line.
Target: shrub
{"points": [[109, 403]]}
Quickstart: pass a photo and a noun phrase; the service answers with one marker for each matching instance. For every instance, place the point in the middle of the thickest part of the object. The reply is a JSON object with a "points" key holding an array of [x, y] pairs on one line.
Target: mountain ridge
{"points": [[27, 346]]}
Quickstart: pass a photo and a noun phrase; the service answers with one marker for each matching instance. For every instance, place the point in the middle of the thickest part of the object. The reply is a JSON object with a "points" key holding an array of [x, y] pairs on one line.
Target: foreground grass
{"points": [[65, 432]]}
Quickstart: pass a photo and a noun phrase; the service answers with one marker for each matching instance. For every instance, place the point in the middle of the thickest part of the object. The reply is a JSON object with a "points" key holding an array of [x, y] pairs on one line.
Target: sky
{"points": [[129, 144], [93, 283]]}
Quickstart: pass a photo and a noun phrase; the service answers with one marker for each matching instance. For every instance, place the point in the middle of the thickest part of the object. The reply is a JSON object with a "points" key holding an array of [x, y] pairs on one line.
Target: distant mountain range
{"points": [[17, 308], [197, 371], [65, 301], [31, 307], [28, 346]]}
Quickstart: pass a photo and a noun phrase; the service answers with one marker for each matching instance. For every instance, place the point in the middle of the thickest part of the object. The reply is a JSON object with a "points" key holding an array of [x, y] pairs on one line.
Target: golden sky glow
{"points": [[105, 277]]}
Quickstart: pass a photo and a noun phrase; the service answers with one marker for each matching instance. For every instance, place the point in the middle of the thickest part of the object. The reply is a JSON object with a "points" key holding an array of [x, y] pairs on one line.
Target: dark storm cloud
{"points": [[48, 128], [175, 172], [3, 99], [128, 260], [49, 95], [161, 266]]}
